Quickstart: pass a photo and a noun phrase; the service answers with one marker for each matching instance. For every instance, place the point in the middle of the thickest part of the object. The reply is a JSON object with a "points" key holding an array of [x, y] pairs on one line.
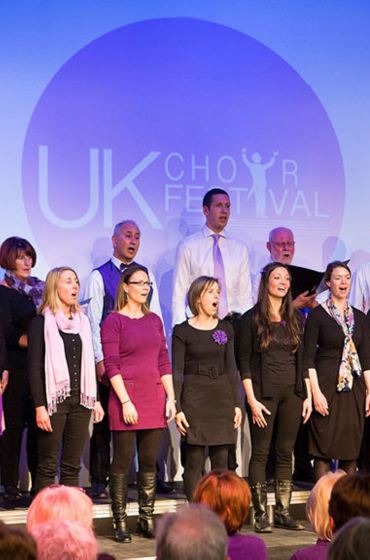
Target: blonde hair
{"points": [[317, 507], [122, 296], [60, 502], [50, 296]]}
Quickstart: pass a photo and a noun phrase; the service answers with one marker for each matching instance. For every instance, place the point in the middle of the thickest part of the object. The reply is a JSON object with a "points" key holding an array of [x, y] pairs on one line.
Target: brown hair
{"points": [[226, 494], [350, 498], [331, 266], [197, 288], [121, 294], [287, 312], [10, 250]]}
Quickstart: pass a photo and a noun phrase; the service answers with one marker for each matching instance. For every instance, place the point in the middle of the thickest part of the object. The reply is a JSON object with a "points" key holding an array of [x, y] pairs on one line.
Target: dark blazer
{"points": [[252, 363]]}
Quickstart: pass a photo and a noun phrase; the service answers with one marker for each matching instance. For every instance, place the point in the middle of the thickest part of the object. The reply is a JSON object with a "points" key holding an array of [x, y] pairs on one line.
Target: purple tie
{"points": [[219, 273]]}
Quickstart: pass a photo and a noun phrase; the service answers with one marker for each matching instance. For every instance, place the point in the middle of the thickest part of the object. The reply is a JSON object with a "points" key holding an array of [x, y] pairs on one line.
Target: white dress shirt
{"points": [[359, 295], [94, 291], [194, 258]]}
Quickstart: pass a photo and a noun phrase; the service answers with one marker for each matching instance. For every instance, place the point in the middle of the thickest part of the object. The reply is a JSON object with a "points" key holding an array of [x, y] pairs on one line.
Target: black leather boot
{"points": [[282, 517], [259, 499], [146, 497], [118, 485]]}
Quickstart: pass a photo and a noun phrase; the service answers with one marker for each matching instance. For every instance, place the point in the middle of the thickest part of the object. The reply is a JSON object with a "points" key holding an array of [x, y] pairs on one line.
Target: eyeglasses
{"points": [[141, 283], [280, 244]]}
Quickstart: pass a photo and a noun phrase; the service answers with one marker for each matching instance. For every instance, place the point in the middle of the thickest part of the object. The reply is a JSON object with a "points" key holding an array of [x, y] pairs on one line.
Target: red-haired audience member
{"points": [[352, 542], [20, 294], [350, 498], [317, 510], [65, 540], [193, 532], [59, 503], [16, 544], [229, 496]]}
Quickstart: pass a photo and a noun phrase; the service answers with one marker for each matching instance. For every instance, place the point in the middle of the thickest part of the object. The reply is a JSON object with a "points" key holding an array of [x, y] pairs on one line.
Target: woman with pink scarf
{"points": [[62, 378]]}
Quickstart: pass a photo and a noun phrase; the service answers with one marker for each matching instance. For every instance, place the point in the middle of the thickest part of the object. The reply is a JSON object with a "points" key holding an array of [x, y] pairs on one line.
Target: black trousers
{"points": [[286, 409], [194, 462], [70, 428], [147, 445], [100, 442]]}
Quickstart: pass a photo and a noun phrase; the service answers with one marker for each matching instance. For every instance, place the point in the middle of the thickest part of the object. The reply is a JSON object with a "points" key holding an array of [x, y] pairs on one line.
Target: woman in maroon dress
{"points": [[137, 364]]}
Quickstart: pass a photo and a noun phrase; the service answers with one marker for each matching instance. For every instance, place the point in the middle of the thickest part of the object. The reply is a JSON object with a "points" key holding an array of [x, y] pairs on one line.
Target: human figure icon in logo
{"points": [[258, 172]]}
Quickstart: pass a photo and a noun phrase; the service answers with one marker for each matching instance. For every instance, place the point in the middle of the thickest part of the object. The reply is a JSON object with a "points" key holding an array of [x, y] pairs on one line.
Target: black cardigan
{"points": [[252, 363]]}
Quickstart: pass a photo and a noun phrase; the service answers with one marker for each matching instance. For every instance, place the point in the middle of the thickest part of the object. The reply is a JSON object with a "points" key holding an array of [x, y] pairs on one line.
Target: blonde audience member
{"points": [[317, 510], [65, 540]]}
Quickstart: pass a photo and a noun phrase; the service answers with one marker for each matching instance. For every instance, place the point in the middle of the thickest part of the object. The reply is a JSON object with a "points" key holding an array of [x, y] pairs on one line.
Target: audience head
{"points": [[193, 532], [216, 208], [59, 503], [126, 240], [198, 288], [128, 288], [352, 541], [226, 494], [281, 245], [16, 544], [350, 498], [65, 540], [317, 507], [57, 290]]}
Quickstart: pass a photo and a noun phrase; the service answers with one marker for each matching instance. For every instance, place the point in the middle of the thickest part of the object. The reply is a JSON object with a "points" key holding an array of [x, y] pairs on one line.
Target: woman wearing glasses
{"points": [[137, 364]]}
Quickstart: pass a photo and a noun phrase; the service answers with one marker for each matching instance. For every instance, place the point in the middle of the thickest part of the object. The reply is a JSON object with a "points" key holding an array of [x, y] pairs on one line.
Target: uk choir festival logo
{"points": [[144, 120]]}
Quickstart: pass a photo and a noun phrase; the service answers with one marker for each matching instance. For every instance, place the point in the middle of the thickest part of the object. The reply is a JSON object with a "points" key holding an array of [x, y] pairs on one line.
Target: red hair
{"points": [[226, 494]]}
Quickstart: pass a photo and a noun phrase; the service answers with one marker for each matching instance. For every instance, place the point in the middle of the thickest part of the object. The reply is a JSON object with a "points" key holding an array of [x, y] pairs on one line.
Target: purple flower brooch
{"points": [[220, 337]]}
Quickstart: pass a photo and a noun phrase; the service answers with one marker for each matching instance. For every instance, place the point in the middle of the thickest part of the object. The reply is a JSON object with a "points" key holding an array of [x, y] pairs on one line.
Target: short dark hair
{"points": [[350, 498], [331, 266], [352, 541], [207, 199], [16, 543], [11, 249], [192, 532]]}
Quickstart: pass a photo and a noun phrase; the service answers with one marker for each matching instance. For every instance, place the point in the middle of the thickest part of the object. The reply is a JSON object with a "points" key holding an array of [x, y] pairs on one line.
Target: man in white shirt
{"points": [[100, 292], [359, 295], [195, 257]]}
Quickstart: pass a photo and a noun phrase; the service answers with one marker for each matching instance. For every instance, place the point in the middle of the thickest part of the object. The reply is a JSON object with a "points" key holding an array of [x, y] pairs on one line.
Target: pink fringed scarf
{"points": [[56, 369]]}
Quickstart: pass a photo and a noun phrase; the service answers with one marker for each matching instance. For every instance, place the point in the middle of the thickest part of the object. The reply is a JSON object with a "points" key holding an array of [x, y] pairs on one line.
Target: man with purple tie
{"points": [[212, 252]]}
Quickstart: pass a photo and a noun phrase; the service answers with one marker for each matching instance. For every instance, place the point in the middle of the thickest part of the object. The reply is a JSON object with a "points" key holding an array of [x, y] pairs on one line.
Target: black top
{"points": [[280, 359], [3, 352], [337, 435], [206, 382], [36, 360], [253, 363], [16, 313]]}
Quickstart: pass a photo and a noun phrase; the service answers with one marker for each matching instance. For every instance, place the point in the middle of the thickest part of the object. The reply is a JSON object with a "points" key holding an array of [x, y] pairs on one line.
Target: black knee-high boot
{"points": [[118, 486], [259, 499], [146, 483], [282, 517]]}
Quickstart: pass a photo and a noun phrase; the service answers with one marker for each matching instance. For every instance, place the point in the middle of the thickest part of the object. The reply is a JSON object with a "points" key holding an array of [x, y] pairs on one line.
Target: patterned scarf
{"points": [[32, 289], [350, 362]]}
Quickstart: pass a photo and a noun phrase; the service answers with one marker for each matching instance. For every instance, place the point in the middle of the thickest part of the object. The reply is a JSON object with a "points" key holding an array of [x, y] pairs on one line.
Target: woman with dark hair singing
{"points": [[277, 389], [338, 361]]}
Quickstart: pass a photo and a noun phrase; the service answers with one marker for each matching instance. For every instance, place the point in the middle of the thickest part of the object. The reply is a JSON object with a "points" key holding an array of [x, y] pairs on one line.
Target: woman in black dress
{"points": [[277, 389], [206, 382], [20, 294], [338, 357]]}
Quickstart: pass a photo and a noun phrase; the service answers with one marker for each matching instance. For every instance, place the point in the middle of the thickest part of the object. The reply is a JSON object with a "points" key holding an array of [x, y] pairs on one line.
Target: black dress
{"points": [[206, 382], [338, 435]]}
